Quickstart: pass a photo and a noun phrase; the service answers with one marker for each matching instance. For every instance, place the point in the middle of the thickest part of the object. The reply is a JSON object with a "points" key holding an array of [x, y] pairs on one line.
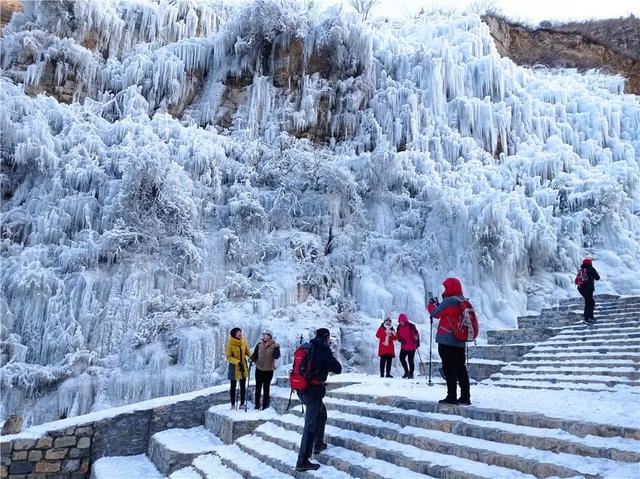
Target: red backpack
{"points": [[581, 277], [300, 374], [466, 328]]}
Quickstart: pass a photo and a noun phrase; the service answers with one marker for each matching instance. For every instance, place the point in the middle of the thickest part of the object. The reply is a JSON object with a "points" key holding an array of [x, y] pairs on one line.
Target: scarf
{"points": [[389, 331]]}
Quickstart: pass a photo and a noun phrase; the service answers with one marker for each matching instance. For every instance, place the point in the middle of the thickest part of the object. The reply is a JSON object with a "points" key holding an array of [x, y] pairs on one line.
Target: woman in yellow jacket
{"points": [[237, 352]]}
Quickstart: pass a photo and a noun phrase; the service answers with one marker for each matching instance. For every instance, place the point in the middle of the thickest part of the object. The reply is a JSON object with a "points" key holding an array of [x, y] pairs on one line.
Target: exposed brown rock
{"points": [[7, 8], [585, 49]]}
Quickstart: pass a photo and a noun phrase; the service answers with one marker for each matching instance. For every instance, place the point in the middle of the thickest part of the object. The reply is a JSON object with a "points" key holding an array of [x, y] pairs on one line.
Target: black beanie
{"points": [[234, 331], [323, 333]]}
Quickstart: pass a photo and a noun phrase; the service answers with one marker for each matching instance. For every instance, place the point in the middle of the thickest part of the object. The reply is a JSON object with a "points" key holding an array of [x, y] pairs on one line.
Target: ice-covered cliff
{"points": [[172, 169]]}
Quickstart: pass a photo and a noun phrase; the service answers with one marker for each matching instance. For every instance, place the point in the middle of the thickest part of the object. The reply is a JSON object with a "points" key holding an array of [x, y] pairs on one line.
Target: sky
{"points": [[532, 11]]}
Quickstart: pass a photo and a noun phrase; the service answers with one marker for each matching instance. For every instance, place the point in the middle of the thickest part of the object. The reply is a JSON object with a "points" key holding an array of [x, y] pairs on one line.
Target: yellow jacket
{"points": [[237, 352]]}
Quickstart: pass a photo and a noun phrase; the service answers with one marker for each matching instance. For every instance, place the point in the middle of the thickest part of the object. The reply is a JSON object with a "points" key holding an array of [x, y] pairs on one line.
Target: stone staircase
{"points": [[572, 354], [381, 436]]}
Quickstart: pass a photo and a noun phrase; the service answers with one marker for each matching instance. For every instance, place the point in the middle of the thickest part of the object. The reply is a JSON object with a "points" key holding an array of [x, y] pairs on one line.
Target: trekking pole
{"points": [[421, 363], [237, 394], [248, 384], [430, 383]]}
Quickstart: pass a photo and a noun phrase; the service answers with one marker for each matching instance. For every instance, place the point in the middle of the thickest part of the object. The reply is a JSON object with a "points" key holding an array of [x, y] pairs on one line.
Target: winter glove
{"points": [[418, 343], [241, 368]]}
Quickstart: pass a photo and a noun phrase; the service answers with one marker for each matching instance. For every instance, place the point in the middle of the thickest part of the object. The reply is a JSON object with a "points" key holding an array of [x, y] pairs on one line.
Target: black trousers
{"points": [[589, 302], [385, 365], [263, 384], [243, 391], [453, 364], [315, 419], [410, 367]]}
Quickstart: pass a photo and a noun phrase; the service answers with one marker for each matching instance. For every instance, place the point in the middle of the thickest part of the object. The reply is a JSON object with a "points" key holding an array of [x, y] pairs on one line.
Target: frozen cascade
{"points": [[171, 169]]}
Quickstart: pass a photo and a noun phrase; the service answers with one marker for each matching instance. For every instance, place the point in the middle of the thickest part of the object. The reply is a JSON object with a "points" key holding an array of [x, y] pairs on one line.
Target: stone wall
{"points": [[67, 448]]}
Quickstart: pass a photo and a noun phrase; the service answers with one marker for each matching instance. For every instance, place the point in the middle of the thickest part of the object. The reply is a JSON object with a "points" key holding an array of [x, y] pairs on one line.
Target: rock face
{"points": [[7, 7], [609, 45]]}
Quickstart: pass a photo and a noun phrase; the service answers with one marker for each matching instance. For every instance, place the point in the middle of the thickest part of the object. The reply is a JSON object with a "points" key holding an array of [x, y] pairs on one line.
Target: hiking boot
{"points": [[307, 466], [257, 406], [449, 400], [389, 376], [464, 401], [405, 375], [410, 376], [318, 449]]}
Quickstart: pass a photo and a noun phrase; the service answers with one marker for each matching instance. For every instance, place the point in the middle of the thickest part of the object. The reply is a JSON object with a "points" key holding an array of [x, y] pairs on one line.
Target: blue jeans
{"points": [[315, 418]]}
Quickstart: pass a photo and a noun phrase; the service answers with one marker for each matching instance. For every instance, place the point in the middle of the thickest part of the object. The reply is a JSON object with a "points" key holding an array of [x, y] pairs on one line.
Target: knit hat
{"points": [[587, 261], [267, 331], [233, 332], [403, 318], [323, 333]]}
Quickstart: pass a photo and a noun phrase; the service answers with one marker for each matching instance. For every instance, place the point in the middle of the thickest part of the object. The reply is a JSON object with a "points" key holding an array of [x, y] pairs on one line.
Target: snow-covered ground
{"points": [[191, 166]]}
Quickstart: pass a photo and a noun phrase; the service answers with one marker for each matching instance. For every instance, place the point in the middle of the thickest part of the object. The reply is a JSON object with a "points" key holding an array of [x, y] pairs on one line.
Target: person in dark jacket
{"points": [[452, 351], [264, 357], [322, 363], [587, 288], [386, 350]]}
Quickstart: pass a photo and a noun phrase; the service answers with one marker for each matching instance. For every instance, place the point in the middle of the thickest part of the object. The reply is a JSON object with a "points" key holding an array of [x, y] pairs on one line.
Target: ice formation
{"points": [[171, 169]]}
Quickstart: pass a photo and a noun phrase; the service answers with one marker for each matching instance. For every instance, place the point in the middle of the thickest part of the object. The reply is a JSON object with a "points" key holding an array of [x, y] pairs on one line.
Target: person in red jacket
{"points": [[452, 351], [409, 339], [386, 350]]}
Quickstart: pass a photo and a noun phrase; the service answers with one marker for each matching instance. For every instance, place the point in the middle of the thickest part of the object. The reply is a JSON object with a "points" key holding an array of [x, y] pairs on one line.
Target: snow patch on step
{"points": [[247, 463], [196, 440], [251, 414], [185, 473], [136, 467], [287, 457], [211, 466]]}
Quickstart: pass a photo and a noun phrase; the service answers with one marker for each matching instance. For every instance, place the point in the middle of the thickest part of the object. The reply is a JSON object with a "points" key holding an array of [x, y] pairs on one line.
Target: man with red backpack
{"points": [[585, 280], [317, 364], [451, 346]]}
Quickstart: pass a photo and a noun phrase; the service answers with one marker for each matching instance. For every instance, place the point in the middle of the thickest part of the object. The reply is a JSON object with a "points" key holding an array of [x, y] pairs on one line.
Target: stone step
{"points": [[576, 371], [608, 342], [580, 428], [567, 317], [564, 355], [136, 466], [351, 462], [577, 348], [600, 327], [174, 449], [515, 336], [581, 336], [406, 455], [505, 352], [229, 424], [520, 458], [572, 361], [548, 439], [283, 459], [210, 466], [539, 386], [246, 465], [567, 378]]}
